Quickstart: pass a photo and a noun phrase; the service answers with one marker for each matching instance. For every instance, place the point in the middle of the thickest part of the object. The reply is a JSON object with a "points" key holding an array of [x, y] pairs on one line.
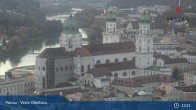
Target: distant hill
{"points": [[134, 3], [18, 4]]}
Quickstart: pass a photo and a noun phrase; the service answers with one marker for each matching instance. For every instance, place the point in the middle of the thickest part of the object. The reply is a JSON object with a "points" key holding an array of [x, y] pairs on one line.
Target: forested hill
{"points": [[134, 3], [21, 20], [18, 4]]}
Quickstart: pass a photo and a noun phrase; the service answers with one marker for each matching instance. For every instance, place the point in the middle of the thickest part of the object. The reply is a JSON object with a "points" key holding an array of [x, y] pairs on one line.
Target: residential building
{"points": [[166, 92], [190, 78], [111, 34], [17, 84]]}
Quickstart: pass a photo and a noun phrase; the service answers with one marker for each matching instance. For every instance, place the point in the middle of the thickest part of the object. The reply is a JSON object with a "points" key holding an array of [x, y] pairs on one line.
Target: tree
{"points": [[95, 32], [22, 33], [86, 17], [13, 44], [175, 74]]}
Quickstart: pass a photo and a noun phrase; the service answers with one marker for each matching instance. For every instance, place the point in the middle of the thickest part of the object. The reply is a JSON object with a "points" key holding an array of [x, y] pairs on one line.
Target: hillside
{"points": [[134, 3]]}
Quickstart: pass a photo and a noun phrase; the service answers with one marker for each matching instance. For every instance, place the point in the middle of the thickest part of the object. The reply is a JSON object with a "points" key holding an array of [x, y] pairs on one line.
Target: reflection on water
{"points": [[28, 59], [36, 46], [24, 56]]}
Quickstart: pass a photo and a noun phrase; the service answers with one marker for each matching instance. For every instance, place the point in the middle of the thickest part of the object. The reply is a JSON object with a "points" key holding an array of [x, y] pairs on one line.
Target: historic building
{"points": [[71, 37], [111, 34], [100, 64]]}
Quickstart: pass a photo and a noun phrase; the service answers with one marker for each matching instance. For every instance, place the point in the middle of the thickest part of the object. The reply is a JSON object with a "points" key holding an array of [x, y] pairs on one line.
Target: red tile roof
{"points": [[54, 53], [176, 60], [137, 81], [102, 49], [162, 56], [119, 65], [100, 72], [90, 50]]}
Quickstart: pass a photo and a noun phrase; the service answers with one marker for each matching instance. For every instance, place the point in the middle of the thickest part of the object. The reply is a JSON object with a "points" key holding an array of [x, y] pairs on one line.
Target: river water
{"points": [[27, 59]]}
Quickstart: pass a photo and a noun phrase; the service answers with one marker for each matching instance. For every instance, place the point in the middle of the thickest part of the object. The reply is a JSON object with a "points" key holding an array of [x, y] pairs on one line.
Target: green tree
{"points": [[87, 16], [13, 45], [95, 32], [22, 33], [175, 74]]}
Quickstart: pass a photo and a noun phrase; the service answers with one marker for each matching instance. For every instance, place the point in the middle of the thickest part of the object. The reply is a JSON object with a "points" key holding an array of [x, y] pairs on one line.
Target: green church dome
{"points": [[145, 18], [111, 17], [70, 26]]}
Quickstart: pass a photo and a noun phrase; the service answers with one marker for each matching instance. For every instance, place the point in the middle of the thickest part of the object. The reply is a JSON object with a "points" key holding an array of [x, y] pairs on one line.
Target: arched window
{"points": [[98, 62], [82, 68], [125, 59], [140, 49], [114, 29], [115, 74], [116, 60], [43, 68], [70, 43], [124, 73], [154, 62], [89, 67], [57, 69], [43, 82], [107, 61], [61, 68], [133, 72]]}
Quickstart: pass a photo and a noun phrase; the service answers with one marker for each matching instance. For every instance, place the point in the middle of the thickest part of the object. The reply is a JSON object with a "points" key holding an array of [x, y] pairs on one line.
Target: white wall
{"points": [[76, 40], [190, 58], [40, 63], [112, 57], [80, 61], [64, 75], [111, 37]]}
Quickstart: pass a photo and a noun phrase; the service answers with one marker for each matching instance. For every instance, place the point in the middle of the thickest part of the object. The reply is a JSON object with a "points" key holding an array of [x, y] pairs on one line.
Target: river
{"points": [[28, 59]]}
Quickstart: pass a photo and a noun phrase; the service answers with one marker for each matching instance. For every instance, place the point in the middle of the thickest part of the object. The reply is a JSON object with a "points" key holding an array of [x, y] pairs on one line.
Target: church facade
{"points": [[120, 59]]}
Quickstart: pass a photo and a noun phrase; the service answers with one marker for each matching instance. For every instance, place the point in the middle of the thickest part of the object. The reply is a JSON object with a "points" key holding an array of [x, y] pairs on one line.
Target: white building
{"points": [[166, 92], [71, 38], [122, 59], [190, 56], [110, 97], [53, 66], [144, 44], [111, 34], [190, 78], [17, 84]]}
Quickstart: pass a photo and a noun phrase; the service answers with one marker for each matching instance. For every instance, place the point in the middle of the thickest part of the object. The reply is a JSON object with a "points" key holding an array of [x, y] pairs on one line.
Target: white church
{"points": [[57, 65]]}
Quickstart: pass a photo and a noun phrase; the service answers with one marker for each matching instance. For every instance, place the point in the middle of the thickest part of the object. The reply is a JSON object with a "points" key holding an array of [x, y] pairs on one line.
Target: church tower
{"points": [[111, 35], [70, 37], [144, 43]]}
